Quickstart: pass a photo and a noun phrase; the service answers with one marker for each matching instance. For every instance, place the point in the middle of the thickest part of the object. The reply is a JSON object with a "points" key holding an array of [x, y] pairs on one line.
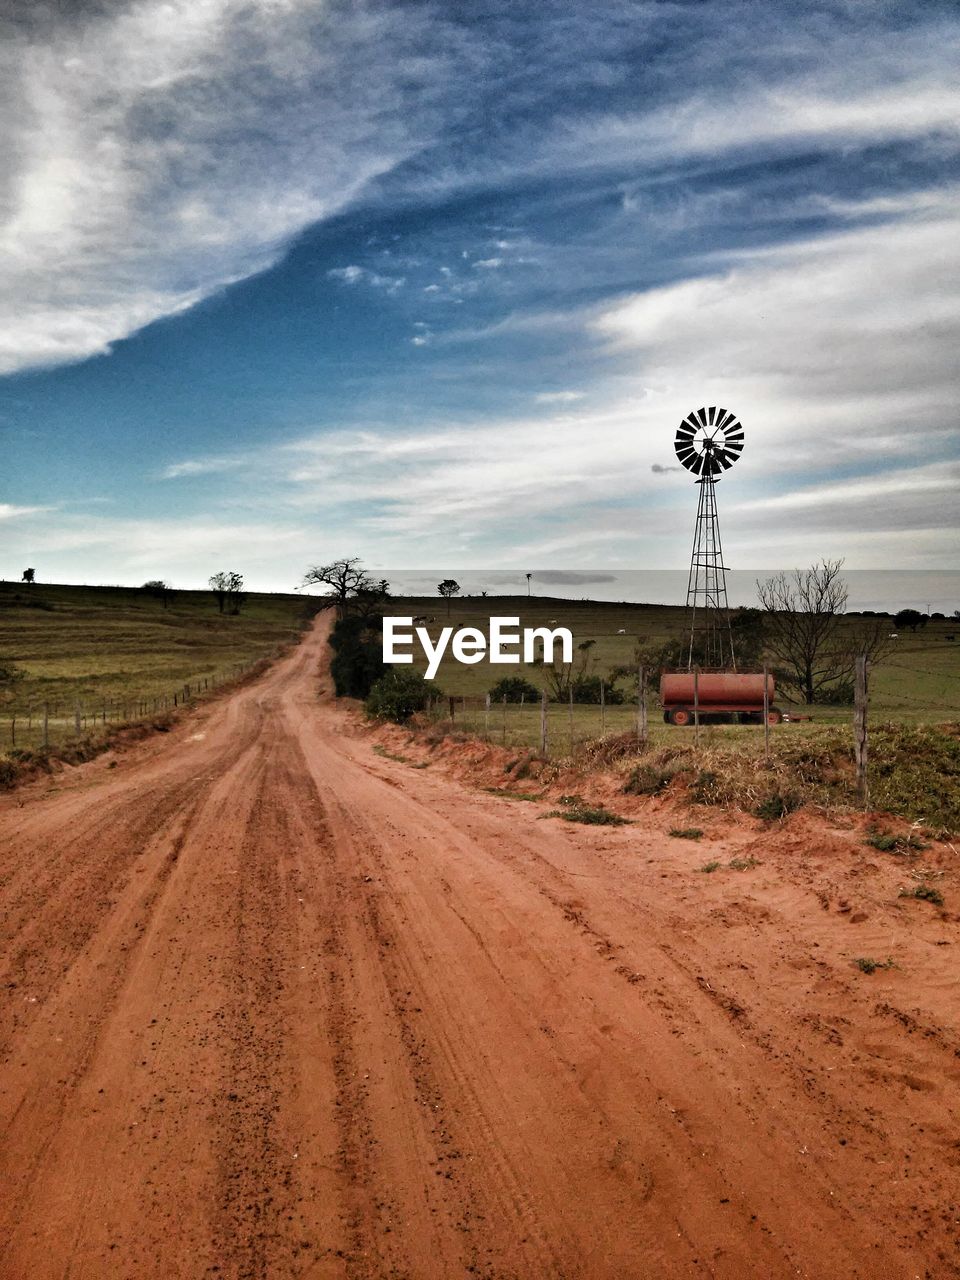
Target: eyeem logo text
{"points": [[504, 643]]}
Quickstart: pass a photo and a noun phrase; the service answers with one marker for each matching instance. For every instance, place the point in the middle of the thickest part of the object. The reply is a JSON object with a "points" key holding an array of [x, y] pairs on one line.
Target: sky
{"points": [[433, 284]]}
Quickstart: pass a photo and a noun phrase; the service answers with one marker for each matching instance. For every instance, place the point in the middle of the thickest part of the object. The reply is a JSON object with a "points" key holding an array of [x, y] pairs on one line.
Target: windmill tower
{"points": [[708, 442]]}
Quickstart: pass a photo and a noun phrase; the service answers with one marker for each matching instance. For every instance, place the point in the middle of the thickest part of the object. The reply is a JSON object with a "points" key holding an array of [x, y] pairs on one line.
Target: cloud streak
{"points": [[156, 152]]}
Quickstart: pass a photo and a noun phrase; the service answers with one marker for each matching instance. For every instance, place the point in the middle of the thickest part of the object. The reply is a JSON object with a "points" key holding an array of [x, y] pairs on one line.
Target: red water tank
{"points": [[715, 689]]}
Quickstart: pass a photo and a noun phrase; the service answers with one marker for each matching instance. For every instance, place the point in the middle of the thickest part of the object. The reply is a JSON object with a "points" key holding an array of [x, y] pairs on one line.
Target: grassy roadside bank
{"points": [[914, 770]]}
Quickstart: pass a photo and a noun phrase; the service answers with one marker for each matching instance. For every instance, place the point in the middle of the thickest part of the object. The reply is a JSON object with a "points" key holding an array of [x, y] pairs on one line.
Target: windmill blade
{"points": [[725, 459], [712, 414], [683, 434], [701, 416], [689, 424], [726, 419], [734, 438]]}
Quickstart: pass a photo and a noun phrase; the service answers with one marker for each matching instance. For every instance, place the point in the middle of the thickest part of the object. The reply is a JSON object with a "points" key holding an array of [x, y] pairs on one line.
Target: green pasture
{"points": [[120, 647], [917, 683]]}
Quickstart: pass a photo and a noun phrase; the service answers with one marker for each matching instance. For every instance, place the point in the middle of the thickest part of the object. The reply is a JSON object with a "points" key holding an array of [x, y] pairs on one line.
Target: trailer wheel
{"points": [[774, 716], [681, 716]]}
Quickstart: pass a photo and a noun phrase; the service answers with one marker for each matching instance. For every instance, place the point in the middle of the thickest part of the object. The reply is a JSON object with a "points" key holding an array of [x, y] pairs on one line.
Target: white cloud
{"points": [[10, 512], [155, 153], [559, 397], [202, 467], [838, 355]]}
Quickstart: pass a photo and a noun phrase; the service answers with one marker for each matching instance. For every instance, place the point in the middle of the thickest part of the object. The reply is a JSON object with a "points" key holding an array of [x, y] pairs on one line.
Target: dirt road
{"points": [[277, 1006]]}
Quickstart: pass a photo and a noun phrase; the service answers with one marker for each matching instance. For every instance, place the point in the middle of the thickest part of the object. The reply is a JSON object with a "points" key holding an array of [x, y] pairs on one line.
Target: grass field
{"points": [[919, 682], [914, 767], [117, 649]]}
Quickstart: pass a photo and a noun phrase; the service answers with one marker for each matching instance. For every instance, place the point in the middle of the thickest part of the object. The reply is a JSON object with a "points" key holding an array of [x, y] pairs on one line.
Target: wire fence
{"points": [[56, 721], [559, 728]]}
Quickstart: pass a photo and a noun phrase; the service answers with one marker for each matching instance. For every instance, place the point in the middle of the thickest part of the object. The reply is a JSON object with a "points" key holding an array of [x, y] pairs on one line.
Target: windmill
{"points": [[708, 443]]}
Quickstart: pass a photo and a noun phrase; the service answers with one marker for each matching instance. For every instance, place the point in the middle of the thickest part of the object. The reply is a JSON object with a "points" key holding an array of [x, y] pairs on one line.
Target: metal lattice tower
{"points": [[708, 442]]}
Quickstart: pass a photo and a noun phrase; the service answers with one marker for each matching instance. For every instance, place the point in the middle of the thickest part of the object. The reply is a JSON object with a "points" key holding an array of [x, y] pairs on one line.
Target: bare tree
{"points": [[806, 633], [227, 586], [448, 588], [347, 579]]}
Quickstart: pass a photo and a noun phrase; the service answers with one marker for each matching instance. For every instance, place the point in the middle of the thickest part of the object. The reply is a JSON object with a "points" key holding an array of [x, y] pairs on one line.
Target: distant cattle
{"points": [[622, 631]]}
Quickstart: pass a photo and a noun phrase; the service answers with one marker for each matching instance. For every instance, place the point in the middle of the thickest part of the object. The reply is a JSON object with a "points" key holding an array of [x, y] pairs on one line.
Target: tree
{"points": [[911, 618], [227, 586], [448, 588], [29, 575], [805, 632], [357, 643], [157, 589], [348, 582]]}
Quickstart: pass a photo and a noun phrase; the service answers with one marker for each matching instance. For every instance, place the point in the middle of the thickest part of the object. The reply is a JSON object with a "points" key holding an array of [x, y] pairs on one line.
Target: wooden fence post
{"points": [[696, 705], [13, 730], [642, 708], [766, 717], [860, 746], [46, 726], [486, 716], [543, 723], [504, 719], [603, 709], [76, 717], [570, 691]]}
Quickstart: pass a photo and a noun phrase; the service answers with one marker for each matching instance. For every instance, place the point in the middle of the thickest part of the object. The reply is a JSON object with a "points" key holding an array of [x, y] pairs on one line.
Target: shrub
{"points": [[840, 694], [514, 688], [646, 781], [586, 689], [594, 816], [866, 965], [398, 695], [686, 833], [925, 892], [774, 806]]}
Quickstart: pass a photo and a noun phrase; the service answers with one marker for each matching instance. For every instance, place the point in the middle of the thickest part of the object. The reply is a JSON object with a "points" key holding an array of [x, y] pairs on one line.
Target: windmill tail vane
{"points": [[708, 443]]}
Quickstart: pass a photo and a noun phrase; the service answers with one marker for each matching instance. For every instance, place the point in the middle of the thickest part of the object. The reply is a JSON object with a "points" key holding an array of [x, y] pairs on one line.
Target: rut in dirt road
{"points": [[277, 1007]]}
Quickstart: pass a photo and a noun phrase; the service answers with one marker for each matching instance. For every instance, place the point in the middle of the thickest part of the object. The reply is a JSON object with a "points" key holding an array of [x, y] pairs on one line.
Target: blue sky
{"points": [[432, 284]]}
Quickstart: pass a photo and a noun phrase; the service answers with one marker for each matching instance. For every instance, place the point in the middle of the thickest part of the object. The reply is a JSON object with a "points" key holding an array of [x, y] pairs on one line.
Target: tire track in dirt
{"points": [[306, 1014]]}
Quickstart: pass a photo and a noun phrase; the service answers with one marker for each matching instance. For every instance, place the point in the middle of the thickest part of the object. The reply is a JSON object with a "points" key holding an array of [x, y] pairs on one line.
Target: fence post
{"points": [[766, 717], [603, 708], [486, 716], [13, 730], [860, 727], [696, 705], [76, 717], [641, 708], [543, 723], [570, 715], [504, 719], [46, 723]]}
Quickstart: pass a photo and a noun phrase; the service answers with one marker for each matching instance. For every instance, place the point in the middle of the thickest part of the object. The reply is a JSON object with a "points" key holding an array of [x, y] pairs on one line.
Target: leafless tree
{"points": [[806, 634], [348, 582]]}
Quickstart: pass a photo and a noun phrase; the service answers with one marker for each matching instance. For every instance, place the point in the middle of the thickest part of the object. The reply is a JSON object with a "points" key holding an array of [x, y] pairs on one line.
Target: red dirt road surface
{"points": [[277, 1006]]}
